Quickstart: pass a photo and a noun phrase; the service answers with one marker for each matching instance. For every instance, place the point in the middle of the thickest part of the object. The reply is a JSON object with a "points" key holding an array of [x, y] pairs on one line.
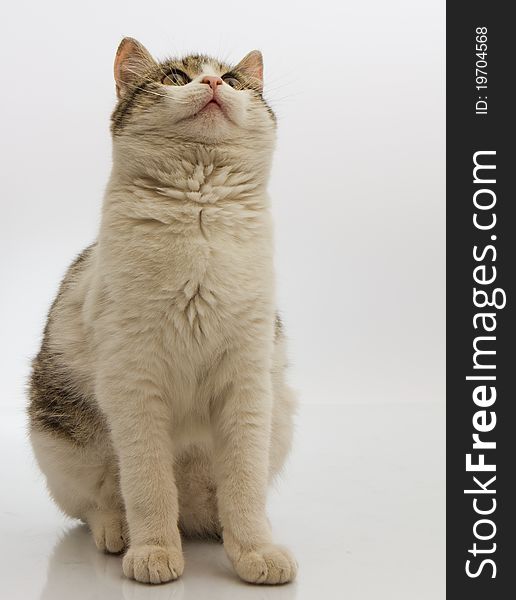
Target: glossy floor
{"points": [[361, 505]]}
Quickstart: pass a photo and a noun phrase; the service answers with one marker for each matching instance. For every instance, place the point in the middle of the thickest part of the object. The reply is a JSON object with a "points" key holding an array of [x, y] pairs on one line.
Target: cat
{"points": [[158, 400]]}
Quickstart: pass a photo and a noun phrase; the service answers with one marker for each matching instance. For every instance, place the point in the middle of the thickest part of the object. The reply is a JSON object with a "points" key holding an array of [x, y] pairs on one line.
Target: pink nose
{"points": [[212, 81]]}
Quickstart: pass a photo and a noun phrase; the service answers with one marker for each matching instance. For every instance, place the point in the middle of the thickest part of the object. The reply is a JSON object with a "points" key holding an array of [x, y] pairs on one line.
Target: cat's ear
{"points": [[132, 61], [252, 67]]}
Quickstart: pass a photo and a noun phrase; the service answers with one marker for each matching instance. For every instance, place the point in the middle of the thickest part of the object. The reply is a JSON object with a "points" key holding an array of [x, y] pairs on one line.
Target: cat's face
{"points": [[196, 99]]}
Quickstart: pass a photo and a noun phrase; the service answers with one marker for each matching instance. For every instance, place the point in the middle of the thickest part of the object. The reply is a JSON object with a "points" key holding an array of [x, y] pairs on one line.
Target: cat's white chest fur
{"points": [[190, 250]]}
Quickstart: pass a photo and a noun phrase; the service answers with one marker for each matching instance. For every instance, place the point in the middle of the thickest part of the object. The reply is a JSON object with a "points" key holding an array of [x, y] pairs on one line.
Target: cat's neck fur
{"points": [[172, 186], [166, 167]]}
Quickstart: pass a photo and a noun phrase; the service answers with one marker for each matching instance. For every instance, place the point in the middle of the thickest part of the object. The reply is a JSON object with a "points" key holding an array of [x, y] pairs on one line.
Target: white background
{"points": [[357, 185]]}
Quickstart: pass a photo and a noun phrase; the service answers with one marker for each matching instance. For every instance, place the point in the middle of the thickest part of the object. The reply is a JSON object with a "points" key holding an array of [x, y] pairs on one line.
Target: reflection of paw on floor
{"points": [[78, 570]]}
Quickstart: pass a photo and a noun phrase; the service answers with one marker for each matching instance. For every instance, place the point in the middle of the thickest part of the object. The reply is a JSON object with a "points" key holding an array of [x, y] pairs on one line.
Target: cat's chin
{"points": [[213, 111], [210, 124]]}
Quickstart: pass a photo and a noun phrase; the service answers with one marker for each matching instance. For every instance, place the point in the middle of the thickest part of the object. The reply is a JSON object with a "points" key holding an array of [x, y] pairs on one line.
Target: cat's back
{"points": [[60, 382], [67, 310]]}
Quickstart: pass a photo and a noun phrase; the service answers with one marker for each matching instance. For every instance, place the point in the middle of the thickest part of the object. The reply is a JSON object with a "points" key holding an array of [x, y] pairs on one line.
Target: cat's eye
{"points": [[231, 81], [175, 77]]}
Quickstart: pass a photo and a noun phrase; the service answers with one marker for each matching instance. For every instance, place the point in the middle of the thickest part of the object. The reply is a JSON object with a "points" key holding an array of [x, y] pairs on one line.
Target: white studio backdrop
{"points": [[357, 186]]}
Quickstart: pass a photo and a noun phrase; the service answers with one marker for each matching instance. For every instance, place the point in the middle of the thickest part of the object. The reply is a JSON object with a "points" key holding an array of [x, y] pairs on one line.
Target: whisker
{"points": [[137, 87]]}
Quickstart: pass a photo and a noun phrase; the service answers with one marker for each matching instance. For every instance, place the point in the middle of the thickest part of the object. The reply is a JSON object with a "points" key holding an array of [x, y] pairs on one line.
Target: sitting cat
{"points": [[158, 398]]}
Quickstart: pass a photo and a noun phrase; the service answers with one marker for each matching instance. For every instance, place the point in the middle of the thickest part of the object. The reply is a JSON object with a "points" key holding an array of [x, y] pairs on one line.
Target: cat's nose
{"points": [[212, 81]]}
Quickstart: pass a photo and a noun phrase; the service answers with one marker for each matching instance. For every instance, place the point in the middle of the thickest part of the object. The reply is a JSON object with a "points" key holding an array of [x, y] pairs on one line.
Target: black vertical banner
{"points": [[481, 298]]}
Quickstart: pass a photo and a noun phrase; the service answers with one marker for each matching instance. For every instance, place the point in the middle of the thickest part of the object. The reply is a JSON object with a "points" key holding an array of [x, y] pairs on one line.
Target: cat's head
{"points": [[194, 99]]}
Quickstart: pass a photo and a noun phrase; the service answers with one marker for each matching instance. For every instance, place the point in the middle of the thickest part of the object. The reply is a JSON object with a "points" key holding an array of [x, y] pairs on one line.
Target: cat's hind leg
{"points": [[83, 481]]}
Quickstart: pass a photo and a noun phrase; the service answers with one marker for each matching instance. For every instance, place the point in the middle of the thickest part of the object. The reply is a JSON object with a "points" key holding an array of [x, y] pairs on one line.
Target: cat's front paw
{"points": [[153, 564], [268, 564]]}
